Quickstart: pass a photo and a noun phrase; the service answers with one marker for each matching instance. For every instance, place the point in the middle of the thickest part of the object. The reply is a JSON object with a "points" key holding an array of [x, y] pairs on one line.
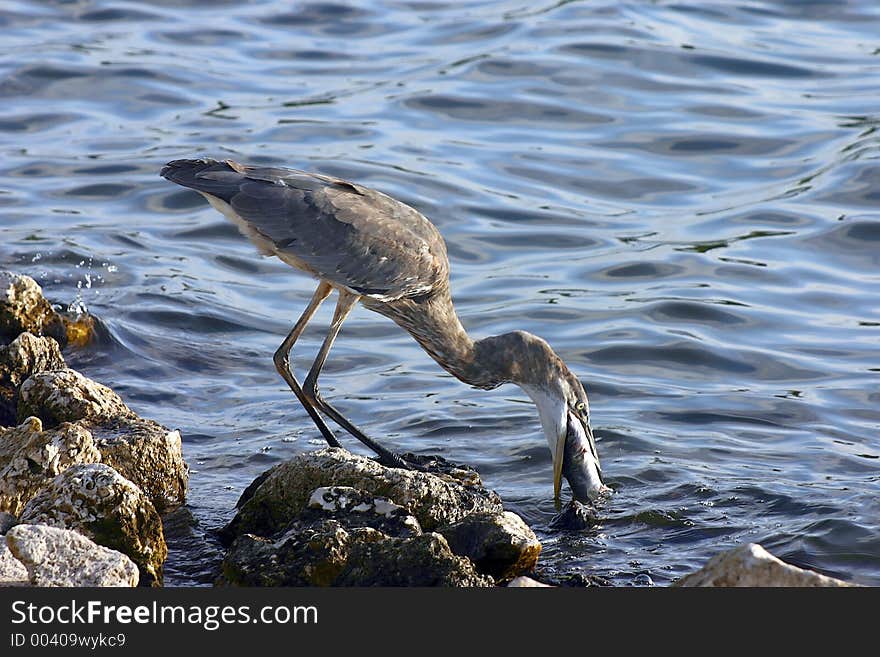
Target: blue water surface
{"points": [[681, 197]]}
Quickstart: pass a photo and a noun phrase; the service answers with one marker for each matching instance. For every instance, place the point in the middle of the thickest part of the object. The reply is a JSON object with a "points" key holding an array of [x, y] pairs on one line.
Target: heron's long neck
{"points": [[435, 325]]}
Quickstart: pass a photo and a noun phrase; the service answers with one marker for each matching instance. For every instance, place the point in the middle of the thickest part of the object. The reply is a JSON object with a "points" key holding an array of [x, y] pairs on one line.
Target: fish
{"points": [[580, 462]]}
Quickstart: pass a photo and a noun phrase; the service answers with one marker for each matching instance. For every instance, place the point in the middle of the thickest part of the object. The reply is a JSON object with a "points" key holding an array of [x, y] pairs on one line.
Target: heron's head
{"points": [[565, 418]]}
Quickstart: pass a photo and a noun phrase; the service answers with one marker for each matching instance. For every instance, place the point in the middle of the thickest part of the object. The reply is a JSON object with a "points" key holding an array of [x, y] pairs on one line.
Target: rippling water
{"points": [[681, 197]]}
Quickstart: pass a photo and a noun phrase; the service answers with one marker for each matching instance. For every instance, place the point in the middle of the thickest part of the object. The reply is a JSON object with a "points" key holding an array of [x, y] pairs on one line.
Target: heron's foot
{"points": [[395, 460]]}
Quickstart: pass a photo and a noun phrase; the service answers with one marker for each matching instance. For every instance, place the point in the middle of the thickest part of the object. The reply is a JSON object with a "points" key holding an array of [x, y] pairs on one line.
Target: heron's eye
{"points": [[580, 406]]}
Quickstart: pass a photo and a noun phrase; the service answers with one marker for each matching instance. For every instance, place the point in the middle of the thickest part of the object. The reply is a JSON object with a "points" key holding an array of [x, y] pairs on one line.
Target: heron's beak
{"points": [[558, 461]]}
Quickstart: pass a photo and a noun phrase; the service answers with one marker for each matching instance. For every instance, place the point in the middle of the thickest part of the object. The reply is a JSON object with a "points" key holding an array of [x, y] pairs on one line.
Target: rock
{"points": [[24, 356], [63, 557], [424, 560], [327, 554], [332, 518], [80, 327], [142, 450], [348, 537], [499, 544], [752, 565], [68, 396], [109, 509], [301, 557], [12, 571], [31, 458], [434, 499], [362, 510], [7, 522], [148, 454], [574, 517], [24, 308], [523, 582]]}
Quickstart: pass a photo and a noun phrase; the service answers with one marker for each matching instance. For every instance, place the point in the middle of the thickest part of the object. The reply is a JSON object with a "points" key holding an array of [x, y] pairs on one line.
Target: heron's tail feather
{"points": [[205, 175]]}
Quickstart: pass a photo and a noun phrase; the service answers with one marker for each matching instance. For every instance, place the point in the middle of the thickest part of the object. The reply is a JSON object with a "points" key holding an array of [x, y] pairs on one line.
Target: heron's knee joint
{"points": [[281, 359], [310, 388]]}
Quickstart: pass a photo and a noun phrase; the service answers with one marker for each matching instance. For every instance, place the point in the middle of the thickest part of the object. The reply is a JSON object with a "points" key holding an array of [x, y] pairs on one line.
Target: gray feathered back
{"points": [[348, 235]]}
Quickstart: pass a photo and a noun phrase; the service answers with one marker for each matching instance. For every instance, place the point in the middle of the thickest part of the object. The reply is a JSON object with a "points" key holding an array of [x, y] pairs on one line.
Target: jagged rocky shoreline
{"points": [[83, 478], [85, 482]]}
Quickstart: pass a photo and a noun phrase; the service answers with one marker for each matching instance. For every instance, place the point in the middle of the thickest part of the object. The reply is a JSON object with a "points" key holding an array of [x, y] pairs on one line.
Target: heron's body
{"points": [[380, 252]]}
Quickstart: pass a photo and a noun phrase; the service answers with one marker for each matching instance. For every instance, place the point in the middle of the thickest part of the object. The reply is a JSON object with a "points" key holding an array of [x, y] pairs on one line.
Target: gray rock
{"points": [[31, 458], [24, 356], [142, 450], [752, 565], [12, 571], [498, 544], [284, 492], [63, 557], [24, 308], [109, 509]]}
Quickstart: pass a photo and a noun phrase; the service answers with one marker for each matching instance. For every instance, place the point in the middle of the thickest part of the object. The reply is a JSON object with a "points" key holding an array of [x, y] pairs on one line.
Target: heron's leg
{"points": [[344, 305], [282, 361]]}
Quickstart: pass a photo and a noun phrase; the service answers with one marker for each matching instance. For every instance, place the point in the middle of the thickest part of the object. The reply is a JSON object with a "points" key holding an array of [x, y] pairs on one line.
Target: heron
{"points": [[377, 251]]}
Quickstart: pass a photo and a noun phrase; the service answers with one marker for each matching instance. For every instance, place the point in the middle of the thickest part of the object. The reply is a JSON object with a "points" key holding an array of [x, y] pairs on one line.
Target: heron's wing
{"points": [[344, 233]]}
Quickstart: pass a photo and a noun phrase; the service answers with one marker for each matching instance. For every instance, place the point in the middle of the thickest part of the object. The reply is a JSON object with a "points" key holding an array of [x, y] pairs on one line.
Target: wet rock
{"points": [[81, 328], [362, 510], [24, 308], [348, 537], [523, 582], [327, 554], [424, 560], [24, 356], [332, 518], [303, 556], [434, 499], [12, 571], [574, 517], [109, 509], [142, 450], [573, 579], [30, 458], [62, 557], [498, 544], [752, 565]]}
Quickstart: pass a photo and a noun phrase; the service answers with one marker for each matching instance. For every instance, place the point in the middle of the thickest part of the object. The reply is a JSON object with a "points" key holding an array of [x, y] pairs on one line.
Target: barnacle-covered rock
{"points": [[143, 451], [332, 518], [24, 308], [21, 358], [51, 556], [100, 503], [30, 458], [283, 492]]}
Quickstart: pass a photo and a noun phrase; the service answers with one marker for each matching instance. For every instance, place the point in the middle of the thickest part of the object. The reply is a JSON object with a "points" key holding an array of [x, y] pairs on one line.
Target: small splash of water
{"points": [[88, 281]]}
